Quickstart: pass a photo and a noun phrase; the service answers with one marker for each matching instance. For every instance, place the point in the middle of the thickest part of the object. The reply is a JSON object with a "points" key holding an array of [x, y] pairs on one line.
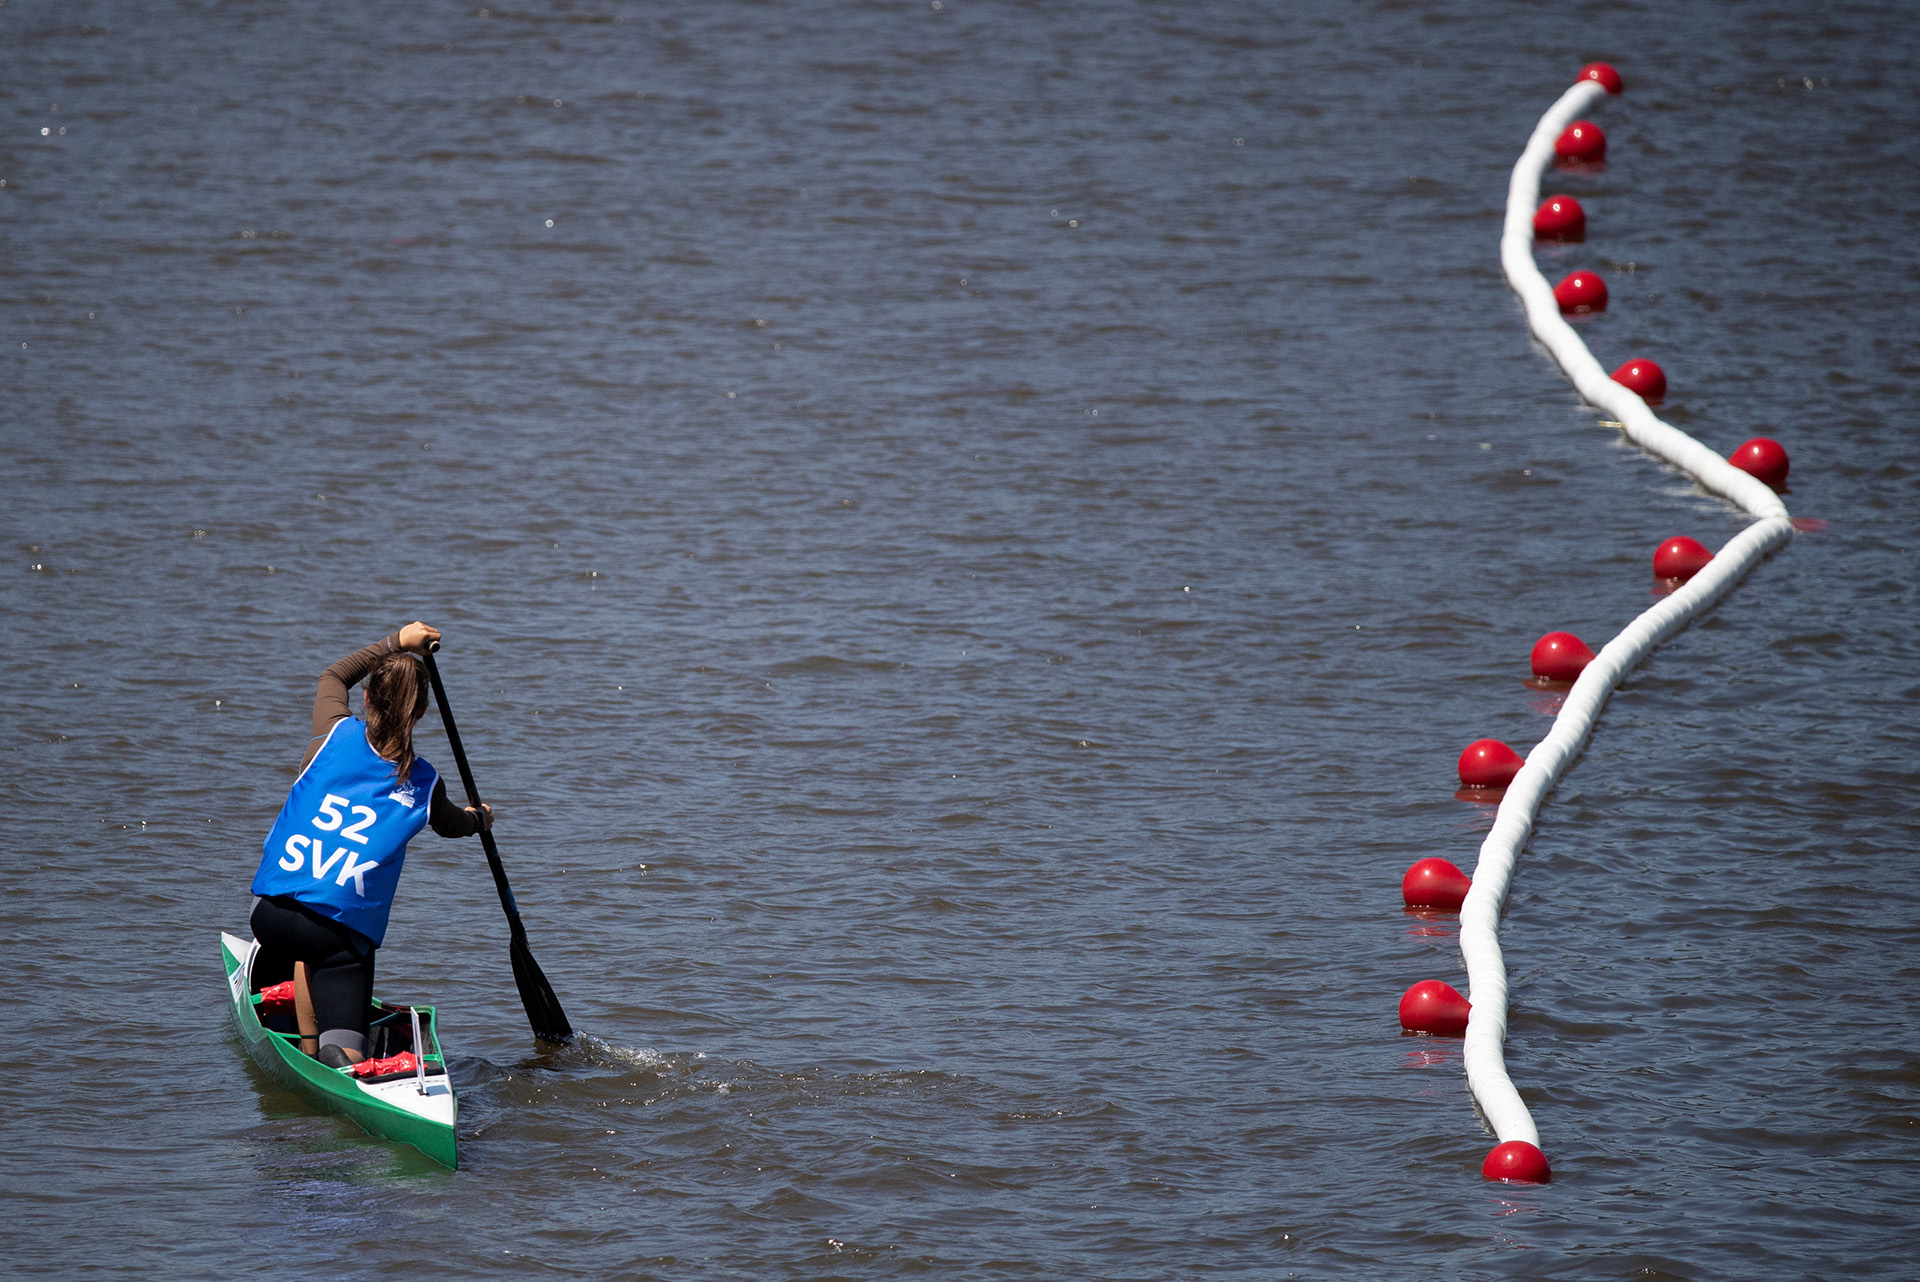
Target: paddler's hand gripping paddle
{"points": [[536, 994]]}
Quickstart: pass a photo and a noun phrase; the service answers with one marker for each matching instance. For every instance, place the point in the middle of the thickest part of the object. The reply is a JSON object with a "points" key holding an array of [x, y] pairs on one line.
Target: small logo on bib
{"points": [[405, 795]]}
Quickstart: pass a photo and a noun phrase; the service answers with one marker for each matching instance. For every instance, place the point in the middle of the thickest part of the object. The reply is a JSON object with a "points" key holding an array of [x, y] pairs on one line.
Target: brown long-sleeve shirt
{"points": [[330, 706]]}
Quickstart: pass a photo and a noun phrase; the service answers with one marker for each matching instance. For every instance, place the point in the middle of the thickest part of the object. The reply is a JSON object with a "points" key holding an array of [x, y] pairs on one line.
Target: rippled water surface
{"points": [[969, 536]]}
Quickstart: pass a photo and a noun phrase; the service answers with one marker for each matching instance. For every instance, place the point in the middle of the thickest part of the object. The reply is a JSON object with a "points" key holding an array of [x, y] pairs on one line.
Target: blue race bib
{"points": [[340, 840]]}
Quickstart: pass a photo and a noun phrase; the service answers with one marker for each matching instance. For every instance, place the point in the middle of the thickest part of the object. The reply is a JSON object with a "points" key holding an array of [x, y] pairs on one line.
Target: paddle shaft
{"points": [[549, 1021], [473, 798]]}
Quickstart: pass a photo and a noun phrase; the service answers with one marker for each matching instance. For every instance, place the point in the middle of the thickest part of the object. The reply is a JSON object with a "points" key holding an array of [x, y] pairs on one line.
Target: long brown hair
{"points": [[396, 698]]}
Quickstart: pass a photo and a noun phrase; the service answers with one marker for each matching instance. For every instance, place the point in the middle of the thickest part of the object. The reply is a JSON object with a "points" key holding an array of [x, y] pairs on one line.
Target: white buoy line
{"points": [[1486, 1031]]}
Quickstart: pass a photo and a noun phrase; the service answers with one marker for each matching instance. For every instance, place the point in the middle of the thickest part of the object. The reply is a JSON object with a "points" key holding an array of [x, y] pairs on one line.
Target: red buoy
{"points": [[1436, 884], [1560, 656], [1680, 558], [1581, 292], [1609, 78], [1559, 218], [1517, 1162], [1763, 458], [1488, 763], [1643, 378], [1582, 143], [1435, 1008]]}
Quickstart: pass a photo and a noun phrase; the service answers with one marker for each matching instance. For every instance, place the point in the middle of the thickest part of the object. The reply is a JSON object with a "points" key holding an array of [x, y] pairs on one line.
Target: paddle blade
{"points": [[536, 994]]}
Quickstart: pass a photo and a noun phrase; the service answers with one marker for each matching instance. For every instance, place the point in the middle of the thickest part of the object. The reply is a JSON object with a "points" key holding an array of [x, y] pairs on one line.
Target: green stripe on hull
{"points": [[386, 1109]]}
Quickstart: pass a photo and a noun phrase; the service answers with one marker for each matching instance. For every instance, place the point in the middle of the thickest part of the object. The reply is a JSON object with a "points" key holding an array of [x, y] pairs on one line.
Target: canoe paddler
{"points": [[332, 861]]}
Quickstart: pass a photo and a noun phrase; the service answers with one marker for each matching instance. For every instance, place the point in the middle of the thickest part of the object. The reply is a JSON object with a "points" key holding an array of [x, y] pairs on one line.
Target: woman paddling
{"points": [[332, 861]]}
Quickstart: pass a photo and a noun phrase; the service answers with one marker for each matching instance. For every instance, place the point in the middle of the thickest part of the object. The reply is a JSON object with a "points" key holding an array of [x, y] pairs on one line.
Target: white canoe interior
{"points": [[436, 1104]]}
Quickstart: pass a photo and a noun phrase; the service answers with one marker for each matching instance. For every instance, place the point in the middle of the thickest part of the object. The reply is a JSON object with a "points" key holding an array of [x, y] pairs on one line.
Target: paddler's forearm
{"points": [[448, 819], [330, 702]]}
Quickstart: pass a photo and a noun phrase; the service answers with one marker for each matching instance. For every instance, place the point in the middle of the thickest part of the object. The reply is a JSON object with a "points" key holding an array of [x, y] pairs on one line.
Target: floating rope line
{"points": [[1493, 874]]}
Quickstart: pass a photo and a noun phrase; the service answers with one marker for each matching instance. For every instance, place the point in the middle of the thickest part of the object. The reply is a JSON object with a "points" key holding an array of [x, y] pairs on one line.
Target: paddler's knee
{"points": [[340, 1047]]}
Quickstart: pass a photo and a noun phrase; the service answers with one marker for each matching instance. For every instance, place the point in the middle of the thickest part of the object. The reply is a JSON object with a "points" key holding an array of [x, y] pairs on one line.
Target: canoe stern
{"points": [[397, 1110]]}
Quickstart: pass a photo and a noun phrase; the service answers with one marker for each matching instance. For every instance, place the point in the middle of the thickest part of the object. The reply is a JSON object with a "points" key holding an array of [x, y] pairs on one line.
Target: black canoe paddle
{"points": [[536, 994]]}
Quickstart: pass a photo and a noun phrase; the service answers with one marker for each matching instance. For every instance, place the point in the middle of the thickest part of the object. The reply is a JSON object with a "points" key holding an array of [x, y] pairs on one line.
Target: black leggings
{"points": [[339, 961]]}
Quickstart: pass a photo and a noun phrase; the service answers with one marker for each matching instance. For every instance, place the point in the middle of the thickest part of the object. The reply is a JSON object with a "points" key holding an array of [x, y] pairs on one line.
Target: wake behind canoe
{"points": [[403, 1109]]}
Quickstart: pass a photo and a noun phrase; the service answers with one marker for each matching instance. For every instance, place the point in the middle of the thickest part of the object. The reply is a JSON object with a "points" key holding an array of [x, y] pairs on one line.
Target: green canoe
{"points": [[409, 1110]]}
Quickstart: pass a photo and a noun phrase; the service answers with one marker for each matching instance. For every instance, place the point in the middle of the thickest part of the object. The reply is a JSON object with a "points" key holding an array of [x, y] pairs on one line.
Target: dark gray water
{"points": [[968, 549]]}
